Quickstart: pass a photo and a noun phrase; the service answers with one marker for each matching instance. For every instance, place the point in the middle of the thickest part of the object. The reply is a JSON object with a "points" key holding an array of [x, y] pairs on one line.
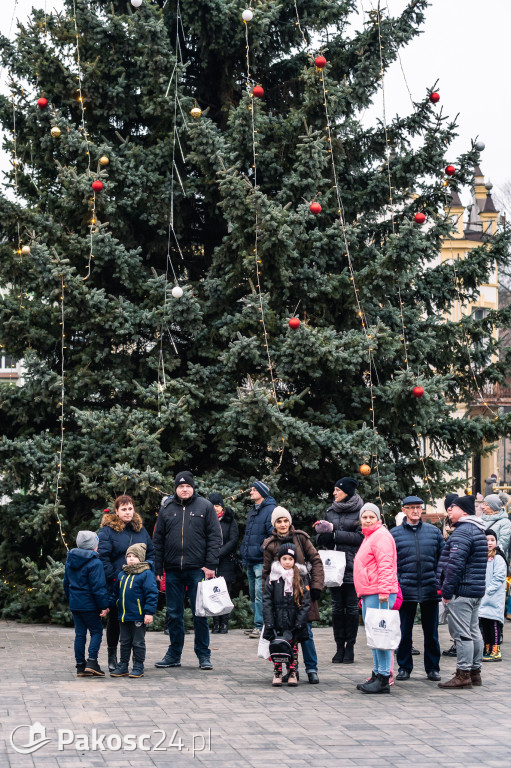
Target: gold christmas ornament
{"points": [[364, 470], [25, 250], [196, 111], [55, 132], [104, 160]]}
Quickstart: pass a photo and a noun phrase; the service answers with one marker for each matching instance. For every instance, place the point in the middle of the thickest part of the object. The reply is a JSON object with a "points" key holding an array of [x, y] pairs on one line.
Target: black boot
{"points": [[380, 685], [112, 658], [340, 640], [349, 654], [338, 657], [216, 625], [351, 629], [224, 625]]}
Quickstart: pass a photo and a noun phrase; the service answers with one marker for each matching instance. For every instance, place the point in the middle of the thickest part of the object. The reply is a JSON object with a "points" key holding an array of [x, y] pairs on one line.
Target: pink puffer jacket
{"points": [[375, 566]]}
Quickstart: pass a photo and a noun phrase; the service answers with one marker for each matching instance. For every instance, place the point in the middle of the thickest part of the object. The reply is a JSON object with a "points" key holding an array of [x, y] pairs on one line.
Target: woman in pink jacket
{"points": [[375, 578]]}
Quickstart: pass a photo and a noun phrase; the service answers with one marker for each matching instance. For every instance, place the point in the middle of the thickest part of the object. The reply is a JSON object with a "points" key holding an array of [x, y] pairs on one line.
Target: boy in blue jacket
{"points": [[136, 605], [85, 589]]}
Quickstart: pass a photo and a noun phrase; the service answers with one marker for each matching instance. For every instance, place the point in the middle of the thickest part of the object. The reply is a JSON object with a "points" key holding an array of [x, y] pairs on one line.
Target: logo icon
{"points": [[383, 624], [216, 589], [328, 562], [36, 738]]}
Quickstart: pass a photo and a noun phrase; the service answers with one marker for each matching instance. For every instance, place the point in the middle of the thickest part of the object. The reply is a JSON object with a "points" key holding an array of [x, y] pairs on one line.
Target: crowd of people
{"points": [[457, 574]]}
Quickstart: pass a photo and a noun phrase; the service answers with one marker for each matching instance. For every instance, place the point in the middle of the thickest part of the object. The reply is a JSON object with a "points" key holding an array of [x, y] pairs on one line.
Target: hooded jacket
{"points": [[347, 534], [501, 524], [84, 581], [257, 528], [418, 550], [375, 565], [115, 537], [137, 595], [187, 535], [461, 570], [280, 611], [493, 603], [230, 536]]}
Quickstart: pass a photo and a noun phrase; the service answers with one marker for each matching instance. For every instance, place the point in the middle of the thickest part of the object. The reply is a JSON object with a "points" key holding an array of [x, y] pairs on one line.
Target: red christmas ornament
{"points": [[419, 218], [450, 170], [294, 323], [434, 97], [315, 208], [97, 185], [417, 391], [42, 103], [320, 62], [106, 510], [258, 91]]}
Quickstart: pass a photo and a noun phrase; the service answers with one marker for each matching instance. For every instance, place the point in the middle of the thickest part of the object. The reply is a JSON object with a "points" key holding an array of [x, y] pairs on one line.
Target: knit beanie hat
{"points": [[493, 501], [466, 503], [216, 498], [491, 532], [139, 550], [261, 488], [348, 485], [449, 500], [287, 549], [280, 512], [86, 540], [184, 477], [368, 507]]}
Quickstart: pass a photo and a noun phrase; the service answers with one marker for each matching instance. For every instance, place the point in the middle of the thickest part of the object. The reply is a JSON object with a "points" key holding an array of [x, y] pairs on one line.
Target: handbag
{"points": [[263, 647], [383, 628], [213, 598], [334, 565]]}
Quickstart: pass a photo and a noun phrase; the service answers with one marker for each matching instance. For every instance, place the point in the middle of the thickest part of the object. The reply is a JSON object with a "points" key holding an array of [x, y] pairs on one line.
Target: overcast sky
{"points": [[465, 44]]}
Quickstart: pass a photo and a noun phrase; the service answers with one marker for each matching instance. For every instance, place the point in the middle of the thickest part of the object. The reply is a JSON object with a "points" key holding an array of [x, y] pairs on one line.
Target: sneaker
{"points": [[277, 679], [137, 671], [415, 652], [451, 651], [121, 670], [168, 661], [205, 664], [495, 654], [93, 667], [256, 633], [80, 671], [292, 678], [247, 631]]}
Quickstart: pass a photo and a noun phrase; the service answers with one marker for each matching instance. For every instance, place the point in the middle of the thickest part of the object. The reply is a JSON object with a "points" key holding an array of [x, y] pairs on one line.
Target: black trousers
{"points": [[491, 630], [112, 627], [132, 637], [429, 621], [344, 614]]}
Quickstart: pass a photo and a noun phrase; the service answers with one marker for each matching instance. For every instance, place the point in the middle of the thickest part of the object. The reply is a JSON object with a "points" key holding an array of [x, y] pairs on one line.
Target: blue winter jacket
{"points": [[137, 595], [418, 550], [114, 539], [461, 569], [84, 581], [258, 528]]}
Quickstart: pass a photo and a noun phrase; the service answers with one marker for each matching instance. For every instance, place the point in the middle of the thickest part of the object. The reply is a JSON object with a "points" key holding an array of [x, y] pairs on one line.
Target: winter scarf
{"points": [[351, 504], [277, 572], [136, 568]]}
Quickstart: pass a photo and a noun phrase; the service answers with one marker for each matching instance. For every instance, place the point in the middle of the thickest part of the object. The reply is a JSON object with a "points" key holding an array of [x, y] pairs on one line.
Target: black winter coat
{"points": [[347, 534], [418, 550], [114, 539], [258, 527], [280, 611], [187, 535], [230, 536], [84, 581], [461, 569]]}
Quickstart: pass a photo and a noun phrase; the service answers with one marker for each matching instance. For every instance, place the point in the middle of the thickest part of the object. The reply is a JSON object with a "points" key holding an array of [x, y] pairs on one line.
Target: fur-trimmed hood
{"points": [[111, 520]]}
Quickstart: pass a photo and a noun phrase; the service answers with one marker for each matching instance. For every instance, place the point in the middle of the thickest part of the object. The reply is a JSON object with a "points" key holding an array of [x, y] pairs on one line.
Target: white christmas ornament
{"points": [[177, 292], [136, 3], [247, 15], [480, 145]]}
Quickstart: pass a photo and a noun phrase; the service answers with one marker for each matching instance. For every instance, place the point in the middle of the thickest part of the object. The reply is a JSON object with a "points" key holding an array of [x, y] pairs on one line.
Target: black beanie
{"points": [[348, 485], [287, 549], [184, 477], [466, 503], [491, 532], [216, 498], [449, 500]]}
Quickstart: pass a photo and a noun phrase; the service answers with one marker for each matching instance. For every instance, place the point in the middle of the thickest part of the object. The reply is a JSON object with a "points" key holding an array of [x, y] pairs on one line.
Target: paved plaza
{"points": [[235, 711]]}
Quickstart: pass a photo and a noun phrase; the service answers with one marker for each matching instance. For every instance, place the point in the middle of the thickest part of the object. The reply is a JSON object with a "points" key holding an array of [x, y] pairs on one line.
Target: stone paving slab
{"points": [[331, 725]]}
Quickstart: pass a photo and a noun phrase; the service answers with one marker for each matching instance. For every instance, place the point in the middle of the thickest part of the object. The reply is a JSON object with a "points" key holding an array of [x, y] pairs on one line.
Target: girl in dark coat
{"points": [[286, 604], [226, 563]]}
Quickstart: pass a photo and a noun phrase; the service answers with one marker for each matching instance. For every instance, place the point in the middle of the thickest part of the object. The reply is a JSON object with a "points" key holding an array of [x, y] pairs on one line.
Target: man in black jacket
{"points": [[187, 540], [419, 546]]}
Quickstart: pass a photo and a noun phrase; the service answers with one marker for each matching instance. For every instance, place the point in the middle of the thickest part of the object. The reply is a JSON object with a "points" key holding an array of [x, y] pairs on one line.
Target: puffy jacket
{"points": [[501, 524], [494, 601], [347, 534], [306, 552], [461, 570], [258, 527], [281, 613], [418, 550], [84, 581], [375, 565], [230, 536], [137, 595], [115, 537], [187, 535]]}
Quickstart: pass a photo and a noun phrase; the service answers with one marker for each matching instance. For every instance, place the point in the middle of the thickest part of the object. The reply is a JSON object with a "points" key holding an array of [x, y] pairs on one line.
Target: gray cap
{"points": [[86, 540], [493, 501], [368, 507]]}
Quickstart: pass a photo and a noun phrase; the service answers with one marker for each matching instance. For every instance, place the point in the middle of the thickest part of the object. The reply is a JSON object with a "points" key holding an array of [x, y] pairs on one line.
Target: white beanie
{"points": [[368, 507], [280, 512]]}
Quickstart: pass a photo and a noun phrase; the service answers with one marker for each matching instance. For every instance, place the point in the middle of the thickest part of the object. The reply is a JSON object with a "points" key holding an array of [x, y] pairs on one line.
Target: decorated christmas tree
{"points": [[209, 262]]}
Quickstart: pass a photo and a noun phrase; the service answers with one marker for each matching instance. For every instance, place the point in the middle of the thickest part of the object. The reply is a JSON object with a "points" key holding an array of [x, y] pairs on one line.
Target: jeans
{"points": [[463, 622], [344, 614], [429, 621], [87, 620], [255, 588], [132, 637], [176, 582], [310, 657], [381, 659]]}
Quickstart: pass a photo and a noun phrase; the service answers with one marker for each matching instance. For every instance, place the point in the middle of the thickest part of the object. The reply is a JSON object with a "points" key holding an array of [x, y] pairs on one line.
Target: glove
{"points": [[326, 540], [269, 633], [288, 636], [315, 594], [324, 527]]}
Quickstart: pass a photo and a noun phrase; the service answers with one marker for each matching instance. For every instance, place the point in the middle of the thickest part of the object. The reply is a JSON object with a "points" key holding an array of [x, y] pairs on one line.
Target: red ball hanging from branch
{"points": [[434, 97], [294, 322], [258, 91], [450, 170], [42, 103], [97, 185], [315, 208], [417, 391], [419, 218], [320, 62]]}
